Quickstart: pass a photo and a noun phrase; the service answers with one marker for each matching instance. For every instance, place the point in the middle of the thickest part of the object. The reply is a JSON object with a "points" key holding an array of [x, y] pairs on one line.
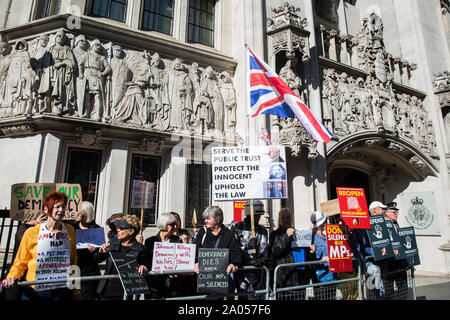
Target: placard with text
{"points": [[353, 207], [213, 278], [127, 268], [169, 256], [407, 238], [379, 238], [339, 251]]}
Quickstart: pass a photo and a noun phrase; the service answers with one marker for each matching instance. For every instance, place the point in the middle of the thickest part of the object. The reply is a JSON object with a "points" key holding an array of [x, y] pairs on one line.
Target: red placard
{"points": [[339, 250], [238, 211], [353, 206]]}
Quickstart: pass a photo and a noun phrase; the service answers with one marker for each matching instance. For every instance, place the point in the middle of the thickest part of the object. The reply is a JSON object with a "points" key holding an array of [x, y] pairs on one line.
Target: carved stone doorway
{"points": [[350, 178]]}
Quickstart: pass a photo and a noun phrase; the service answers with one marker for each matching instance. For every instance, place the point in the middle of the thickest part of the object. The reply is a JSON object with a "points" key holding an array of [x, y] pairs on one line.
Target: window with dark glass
{"points": [[198, 193], [46, 8], [83, 167], [157, 15], [201, 22], [145, 168], [112, 9]]}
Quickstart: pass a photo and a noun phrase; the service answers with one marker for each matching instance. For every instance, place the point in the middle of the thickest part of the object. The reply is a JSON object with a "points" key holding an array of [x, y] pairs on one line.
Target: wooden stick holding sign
{"points": [[252, 222]]}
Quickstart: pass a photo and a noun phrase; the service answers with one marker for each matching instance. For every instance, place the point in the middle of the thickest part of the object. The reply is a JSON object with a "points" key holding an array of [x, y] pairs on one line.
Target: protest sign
{"points": [[27, 199], [395, 241], [238, 211], [379, 238], [252, 172], [173, 256], [331, 207], [52, 257], [142, 194], [92, 236], [353, 206], [407, 238], [213, 278], [302, 239], [338, 246], [127, 268]]}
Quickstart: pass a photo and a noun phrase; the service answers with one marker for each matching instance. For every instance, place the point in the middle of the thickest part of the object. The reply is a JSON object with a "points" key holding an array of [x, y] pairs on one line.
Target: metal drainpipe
{"points": [[7, 13]]}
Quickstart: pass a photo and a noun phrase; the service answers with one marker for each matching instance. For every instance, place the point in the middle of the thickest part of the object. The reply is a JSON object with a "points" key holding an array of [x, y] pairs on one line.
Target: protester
{"points": [[216, 235], [396, 268], [54, 207], [254, 250], [112, 227], [85, 257], [324, 292], [280, 250], [125, 242], [162, 286], [184, 234]]}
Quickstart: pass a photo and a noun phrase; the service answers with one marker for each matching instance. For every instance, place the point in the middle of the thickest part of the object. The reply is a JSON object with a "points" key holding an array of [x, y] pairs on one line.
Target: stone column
{"points": [[49, 158]]}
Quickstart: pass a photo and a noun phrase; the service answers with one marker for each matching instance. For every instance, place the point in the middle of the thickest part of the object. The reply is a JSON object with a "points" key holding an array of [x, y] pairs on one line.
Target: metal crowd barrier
{"points": [[317, 291]]}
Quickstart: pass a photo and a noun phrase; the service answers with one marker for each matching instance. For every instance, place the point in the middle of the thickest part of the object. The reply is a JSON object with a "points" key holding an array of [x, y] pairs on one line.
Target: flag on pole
{"points": [[238, 138], [264, 136], [269, 94]]}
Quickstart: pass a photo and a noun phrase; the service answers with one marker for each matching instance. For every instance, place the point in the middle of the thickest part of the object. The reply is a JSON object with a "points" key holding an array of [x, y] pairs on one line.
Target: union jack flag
{"points": [[264, 136], [238, 138], [269, 94]]}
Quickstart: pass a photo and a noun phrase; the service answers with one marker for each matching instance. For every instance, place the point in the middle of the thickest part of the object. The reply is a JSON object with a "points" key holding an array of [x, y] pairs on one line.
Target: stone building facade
{"points": [[102, 93]]}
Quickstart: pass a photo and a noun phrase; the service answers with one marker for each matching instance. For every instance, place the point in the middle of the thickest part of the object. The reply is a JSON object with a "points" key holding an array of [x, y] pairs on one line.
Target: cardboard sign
{"points": [[92, 236], [353, 205], [339, 250], [238, 211], [331, 207], [173, 256], [127, 268], [395, 241], [251, 172], [142, 194], [27, 199], [213, 278], [408, 240], [302, 239], [379, 238]]}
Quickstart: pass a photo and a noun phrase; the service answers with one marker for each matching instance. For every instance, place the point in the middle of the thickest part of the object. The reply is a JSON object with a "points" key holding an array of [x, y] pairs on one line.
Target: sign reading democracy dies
{"points": [[339, 250], [213, 278], [251, 172], [173, 256], [353, 206], [142, 194], [379, 238], [27, 199], [408, 241]]}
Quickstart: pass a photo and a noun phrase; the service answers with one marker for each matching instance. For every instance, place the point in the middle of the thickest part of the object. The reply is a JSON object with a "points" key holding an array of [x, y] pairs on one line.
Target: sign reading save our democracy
{"points": [[250, 172], [27, 199]]}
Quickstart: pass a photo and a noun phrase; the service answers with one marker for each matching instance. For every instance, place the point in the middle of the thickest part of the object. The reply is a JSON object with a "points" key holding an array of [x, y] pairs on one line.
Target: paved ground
{"points": [[432, 288]]}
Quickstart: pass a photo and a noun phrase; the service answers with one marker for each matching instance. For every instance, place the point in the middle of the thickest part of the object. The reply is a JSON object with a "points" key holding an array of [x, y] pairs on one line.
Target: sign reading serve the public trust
{"points": [[27, 199], [251, 172]]}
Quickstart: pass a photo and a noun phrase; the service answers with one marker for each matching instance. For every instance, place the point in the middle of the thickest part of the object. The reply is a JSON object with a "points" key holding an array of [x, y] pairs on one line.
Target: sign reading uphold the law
{"points": [[250, 172], [27, 199]]}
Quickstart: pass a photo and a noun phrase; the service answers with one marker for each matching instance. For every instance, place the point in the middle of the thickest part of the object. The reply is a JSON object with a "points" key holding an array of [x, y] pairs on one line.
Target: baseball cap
{"points": [[375, 204], [258, 207], [124, 224], [317, 218]]}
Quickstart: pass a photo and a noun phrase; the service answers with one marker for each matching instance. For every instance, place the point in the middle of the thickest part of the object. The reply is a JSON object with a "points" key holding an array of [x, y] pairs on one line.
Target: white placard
{"points": [[302, 238], [142, 194], [251, 172], [169, 256]]}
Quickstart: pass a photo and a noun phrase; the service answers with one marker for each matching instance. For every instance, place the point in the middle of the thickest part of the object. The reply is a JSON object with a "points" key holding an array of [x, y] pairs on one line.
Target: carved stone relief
{"points": [[70, 76]]}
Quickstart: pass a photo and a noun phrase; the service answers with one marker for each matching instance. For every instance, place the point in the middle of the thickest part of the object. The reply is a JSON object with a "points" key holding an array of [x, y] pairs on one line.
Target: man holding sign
{"points": [[46, 252]]}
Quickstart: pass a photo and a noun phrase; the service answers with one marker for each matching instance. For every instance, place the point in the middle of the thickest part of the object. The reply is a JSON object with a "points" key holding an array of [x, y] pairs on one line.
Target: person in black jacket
{"points": [[216, 235], [162, 286], [281, 252], [127, 228]]}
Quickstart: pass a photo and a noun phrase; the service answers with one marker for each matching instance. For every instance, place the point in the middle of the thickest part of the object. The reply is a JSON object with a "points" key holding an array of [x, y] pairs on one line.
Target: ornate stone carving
{"points": [[286, 15], [87, 136], [70, 76], [18, 130], [417, 162], [151, 144]]}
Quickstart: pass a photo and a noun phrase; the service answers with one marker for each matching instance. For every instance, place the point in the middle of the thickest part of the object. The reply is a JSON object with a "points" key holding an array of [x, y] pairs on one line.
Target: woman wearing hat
{"points": [[281, 252], [127, 228], [328, 292]]}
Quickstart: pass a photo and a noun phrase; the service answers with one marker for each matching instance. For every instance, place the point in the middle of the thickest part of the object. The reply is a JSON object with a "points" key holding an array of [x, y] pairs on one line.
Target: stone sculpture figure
{"points": [[94, 67], [229, 100], [41, 61], [290, 77], [178, 95], [210, 89], [120, 75], [344, 96], [329, 96], [57, 79], [4, 66], [156, 68], [81, 47]]}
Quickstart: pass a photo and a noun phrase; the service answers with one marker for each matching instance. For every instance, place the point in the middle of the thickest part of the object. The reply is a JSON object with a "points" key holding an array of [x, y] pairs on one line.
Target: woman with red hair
{"points": [[48, 245]]}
